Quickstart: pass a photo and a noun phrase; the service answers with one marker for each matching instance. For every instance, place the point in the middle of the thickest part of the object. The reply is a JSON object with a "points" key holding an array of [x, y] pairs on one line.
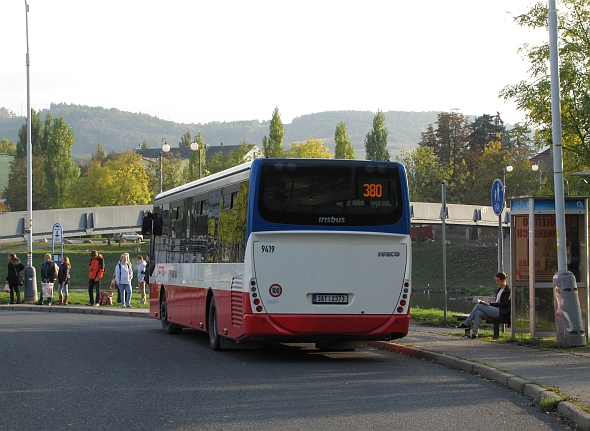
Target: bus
{"points": [[284, 250]]}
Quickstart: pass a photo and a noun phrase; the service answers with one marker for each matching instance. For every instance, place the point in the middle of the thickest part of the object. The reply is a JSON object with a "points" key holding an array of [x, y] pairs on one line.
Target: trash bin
{"points": [[30, 284], [568, 316]]}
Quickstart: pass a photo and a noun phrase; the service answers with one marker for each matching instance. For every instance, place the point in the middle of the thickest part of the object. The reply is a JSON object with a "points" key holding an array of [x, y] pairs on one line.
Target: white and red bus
{"points": [[287, 250]]}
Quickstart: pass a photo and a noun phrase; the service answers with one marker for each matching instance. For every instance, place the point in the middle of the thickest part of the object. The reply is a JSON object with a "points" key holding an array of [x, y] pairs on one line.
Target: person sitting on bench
{"points": [[484, 310]]}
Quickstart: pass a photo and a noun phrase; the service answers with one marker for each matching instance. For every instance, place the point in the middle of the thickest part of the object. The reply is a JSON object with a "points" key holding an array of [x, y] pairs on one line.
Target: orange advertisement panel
{"points": [[545, 248]]}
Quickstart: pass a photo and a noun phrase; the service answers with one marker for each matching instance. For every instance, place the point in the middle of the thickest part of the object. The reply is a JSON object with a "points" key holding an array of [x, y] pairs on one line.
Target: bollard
{"points": [[568, 316], [30, 284]]}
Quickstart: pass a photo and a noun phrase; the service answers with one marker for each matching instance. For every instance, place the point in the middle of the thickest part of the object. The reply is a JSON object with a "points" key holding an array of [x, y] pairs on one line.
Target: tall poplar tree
{"points": [[376, 139], [60, 169], [344, 148], [273, 145]]}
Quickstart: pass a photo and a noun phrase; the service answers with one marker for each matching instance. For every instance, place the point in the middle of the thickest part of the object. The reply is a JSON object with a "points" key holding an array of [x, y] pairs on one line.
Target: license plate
{"points": [[329, 298]]}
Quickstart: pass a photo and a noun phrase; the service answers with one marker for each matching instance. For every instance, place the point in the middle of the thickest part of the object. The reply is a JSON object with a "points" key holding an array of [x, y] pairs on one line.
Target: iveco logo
{"points": [[388, 254]]}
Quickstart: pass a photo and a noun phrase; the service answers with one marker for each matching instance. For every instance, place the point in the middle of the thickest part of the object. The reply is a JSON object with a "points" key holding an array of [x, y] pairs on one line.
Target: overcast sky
{"points": [[194, 61]]}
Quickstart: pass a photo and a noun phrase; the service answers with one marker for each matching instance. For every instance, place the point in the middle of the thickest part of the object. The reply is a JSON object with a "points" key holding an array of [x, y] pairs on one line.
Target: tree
{"points": [[145, 145], [376, 139], [344, 148], [273, 145], [7, 147], [424, 174], [185, 140], [533, 95], [36, 137], [172, 173], [195, 165], [100, 154], [449, 141], [521, 181], [121, 180], [219, 162], [16, 190], [60, 169], [311, 149]]}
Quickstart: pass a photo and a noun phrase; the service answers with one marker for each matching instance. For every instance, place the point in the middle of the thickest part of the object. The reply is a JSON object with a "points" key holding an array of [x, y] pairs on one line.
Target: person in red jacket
{"points": [[95, 273]]}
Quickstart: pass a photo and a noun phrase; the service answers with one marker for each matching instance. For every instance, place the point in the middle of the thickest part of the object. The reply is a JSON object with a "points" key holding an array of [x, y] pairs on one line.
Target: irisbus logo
{"points": [[388, 254], [332, 220]]}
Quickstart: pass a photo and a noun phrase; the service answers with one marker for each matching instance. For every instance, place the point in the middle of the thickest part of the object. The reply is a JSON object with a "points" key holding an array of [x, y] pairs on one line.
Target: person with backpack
{"points": [[123, 277], [95, 273], [48, 276]]}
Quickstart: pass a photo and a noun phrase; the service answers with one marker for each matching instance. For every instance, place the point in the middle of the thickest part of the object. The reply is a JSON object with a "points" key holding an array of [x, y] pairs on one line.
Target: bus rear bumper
{"points": [[310, 328]]}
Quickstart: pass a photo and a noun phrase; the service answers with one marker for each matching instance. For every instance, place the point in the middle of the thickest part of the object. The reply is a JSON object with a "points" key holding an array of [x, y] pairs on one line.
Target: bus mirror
{"points": [[146, 225]]}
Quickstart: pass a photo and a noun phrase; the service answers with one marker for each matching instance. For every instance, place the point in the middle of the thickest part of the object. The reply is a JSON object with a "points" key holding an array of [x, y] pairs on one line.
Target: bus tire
{"points": [[214, 338], [167, 326]]}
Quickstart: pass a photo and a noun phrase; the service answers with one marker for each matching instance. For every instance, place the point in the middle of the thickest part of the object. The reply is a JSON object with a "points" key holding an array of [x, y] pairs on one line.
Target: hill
{"points": [[118, 130]]}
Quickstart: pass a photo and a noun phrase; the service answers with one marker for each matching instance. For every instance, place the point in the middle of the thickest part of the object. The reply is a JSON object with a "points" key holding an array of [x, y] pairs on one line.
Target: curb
{"points": [[521, 385], [78, 309]]}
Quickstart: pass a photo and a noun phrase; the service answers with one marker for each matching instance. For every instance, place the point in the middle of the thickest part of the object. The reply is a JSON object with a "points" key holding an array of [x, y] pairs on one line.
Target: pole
{"points": [[30, 278], [557, 144], [200, 175], [161, 178], [444, 245]]}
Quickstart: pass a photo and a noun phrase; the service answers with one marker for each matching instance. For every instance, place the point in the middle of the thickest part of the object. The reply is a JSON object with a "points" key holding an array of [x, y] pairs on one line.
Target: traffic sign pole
{"points": [[498, 206]]}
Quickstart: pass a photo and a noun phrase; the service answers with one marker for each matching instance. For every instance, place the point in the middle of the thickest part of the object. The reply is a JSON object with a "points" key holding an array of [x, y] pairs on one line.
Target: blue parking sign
{"points": [[498, 197]]}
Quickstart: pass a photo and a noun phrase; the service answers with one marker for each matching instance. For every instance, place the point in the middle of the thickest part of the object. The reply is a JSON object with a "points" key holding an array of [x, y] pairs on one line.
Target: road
{"points": [[98, 372]]}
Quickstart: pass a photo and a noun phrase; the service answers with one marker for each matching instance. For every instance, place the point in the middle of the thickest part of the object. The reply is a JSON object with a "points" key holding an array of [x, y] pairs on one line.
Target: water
{"points": [[456, 302]]}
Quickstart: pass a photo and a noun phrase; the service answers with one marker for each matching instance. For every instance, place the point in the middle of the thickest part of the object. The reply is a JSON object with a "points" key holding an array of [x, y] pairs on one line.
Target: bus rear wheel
{"points": [[167, 326], [214, 338]]}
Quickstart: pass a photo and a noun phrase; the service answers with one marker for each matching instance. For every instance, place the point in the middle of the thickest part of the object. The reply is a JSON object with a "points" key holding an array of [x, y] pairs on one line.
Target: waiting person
{"points": [[148, 271], [48, 276], [13, 277], [95, 273], [501, 307], [123, 277], [141, 270], [63, 278]]}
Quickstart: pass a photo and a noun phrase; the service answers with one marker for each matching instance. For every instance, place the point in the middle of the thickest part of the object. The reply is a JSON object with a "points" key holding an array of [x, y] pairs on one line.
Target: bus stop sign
{"points": [[498, 197]]}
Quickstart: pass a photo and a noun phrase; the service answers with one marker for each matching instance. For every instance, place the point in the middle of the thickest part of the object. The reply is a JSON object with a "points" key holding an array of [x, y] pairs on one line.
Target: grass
{"points": [[427, 267], [435, 318], [79, 255]]}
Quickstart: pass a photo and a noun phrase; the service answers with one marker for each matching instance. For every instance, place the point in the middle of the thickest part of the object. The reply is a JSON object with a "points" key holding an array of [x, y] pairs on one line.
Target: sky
{"points": [[197, 61]]}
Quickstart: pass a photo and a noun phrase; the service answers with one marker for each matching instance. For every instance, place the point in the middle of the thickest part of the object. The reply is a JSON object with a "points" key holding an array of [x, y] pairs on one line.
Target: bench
{"points": [[497, 321]]}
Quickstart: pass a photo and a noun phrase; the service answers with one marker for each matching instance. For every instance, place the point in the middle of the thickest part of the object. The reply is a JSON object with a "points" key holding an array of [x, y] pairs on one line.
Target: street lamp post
{"points": [[509, 169], [164, 149], [196, 147], [30, 276], [536, 168]]}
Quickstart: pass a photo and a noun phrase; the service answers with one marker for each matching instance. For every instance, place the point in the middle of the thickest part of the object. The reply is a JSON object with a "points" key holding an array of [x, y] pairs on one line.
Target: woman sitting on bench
{"points": [[485, 310]]}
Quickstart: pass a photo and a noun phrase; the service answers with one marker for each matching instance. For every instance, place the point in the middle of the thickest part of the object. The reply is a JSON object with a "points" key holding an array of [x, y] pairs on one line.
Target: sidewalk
{"points": [[526, 370]]}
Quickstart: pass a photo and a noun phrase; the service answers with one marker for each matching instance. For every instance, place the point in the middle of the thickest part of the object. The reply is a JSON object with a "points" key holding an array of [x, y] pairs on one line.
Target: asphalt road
{"points": [[96, 372]]}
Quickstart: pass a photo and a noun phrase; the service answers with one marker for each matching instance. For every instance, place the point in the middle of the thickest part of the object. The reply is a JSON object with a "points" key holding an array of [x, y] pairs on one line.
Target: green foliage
{"points": [[195, 167], [145, 145], [60, 170], [376, 139], [36, 137], [7, 147], [185, 141], [533, 95], [16, 191], [273, 145], [344, 148], [312, 149], [100, 154], [219, 162], [424, 174]]}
